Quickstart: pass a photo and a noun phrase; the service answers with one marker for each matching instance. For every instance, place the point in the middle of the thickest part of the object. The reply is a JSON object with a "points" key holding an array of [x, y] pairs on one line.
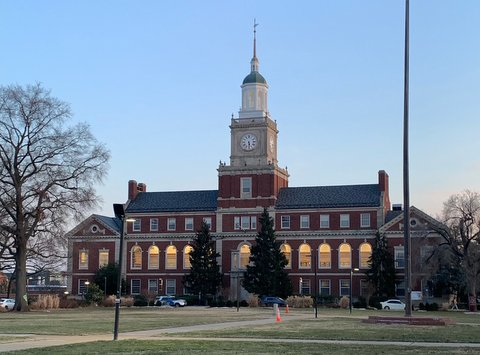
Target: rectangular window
{"points": [[253, 222], [305, 221], [102, 257], [135, 286], [83, 259], [171, 224], [82, 288], [208, 221], [285, 222], [399, 257], [153, 286], [324, 221], [189, 224], [400, 288], [363, 288], [246, 187], [325, 287], [245, 222], [137, 225], [305, 287], [365, 220], [153, 224], [236, 223], [345, 287], [171, 288], [344, 221]]}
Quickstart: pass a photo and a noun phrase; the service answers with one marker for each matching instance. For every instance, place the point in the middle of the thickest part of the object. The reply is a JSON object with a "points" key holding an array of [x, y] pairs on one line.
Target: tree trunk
{"points": [[21, 303]]}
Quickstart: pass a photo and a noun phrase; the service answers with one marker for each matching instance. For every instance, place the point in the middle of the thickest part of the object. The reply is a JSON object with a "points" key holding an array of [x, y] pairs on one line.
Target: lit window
{"points": [[186, 257], [153, 224], [171, 224], [325, 287], [171, 261], [305, 221], [208, 221], [102, 257], [345, 287], [345, 253], [344, 221], [305, 256], [365, 220], [171, 287], [285, 222], [365, 253], [135, 286], [244, 256], [189, 224], [153, 286], [137, 225], [325, 256], [83, 259], [324, 221], [136, 262], [246, 187], [153, 257], [399, 257], [287, 251]]}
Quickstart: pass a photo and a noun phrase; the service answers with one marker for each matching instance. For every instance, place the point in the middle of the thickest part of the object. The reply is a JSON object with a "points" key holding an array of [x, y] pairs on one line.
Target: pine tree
{"points": [[266, 275], [381, 273], [205, 277]]}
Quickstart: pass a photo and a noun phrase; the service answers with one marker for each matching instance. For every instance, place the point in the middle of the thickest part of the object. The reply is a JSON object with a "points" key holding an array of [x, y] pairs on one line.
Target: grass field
{"points": [[299, 326]]}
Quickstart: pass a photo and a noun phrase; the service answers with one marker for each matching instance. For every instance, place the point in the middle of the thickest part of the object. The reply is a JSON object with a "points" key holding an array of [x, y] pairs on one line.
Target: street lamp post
{"points": [[315, 288], [351, 286], [120, 214]]}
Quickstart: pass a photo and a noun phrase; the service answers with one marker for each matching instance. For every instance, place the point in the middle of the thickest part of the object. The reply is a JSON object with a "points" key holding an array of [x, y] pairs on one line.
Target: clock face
{"points": [[248, 141]]}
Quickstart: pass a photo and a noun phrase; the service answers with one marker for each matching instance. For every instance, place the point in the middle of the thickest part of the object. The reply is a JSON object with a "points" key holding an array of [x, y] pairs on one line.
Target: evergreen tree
{"points": [[107, 276], [381, 273], [266, 275], [205, 277]]}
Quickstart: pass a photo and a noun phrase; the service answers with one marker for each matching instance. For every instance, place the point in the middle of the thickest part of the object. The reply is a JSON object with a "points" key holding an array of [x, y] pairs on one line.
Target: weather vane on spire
{"points": [[255, 24]]}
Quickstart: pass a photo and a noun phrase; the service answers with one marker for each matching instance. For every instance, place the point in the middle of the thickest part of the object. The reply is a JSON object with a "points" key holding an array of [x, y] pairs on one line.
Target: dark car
{"points": [[269, 301]]}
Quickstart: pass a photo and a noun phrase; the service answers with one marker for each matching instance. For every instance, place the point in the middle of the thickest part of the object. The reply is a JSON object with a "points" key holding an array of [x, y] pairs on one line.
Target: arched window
{"points": [[305, 253], [136, 257], [186, 257], [171, 259], [365, 253], [287, 251], [345, 256], [153, 257], [244, 256], [325, 256]]}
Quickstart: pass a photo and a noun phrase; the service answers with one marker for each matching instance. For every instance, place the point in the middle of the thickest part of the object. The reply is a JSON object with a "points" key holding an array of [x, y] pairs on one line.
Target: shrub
{"points": [[126, 301], [68, 303], [140, 301], [229, 304], [253, 301], [94, 294], [46, 302], [344, 302], [300, 301], [109, 301]]}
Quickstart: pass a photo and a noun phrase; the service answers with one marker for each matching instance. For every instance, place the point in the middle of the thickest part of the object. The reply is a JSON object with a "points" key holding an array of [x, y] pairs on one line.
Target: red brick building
{"points": [[330, 228]]}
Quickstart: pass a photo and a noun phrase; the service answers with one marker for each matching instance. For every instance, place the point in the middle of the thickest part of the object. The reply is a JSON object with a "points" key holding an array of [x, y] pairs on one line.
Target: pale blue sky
{"points": [[158, 81]]}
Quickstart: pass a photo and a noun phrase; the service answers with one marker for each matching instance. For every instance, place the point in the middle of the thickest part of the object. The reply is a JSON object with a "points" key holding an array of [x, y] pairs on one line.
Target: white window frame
{"points": [[285, 221], [153, 224], [153, 286], [208, 221], [329, 287], [171, 224], [82, 288], [340, 266], [253, 222], [324, 221], [361, 263], [100, 252], [344, 220], [305, 287], [340, 288], [167, 266], [132, 265], [132, 286], [245, 222], [170, 285], [236, 223], [364, 220], [189, 224], [246, 187], [399, 262], [186, 257], [137, 225], [305, 221], [83, 265], [152, 263]]}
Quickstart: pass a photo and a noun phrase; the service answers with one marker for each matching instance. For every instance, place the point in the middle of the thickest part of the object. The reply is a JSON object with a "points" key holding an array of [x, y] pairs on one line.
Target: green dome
{"points": [[254, 77]]}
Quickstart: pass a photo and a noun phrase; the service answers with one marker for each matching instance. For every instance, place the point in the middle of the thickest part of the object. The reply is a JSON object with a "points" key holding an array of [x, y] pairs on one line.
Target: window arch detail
{"points": [[153, 257], [345, 256], [287, 251], [365, 253], [186, 257], [305, 256], [136, 257], [325, 256], [171, 258]]}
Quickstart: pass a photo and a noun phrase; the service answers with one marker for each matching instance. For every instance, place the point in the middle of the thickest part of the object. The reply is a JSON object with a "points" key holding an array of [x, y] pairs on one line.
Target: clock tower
{"points": [[253, 177]]}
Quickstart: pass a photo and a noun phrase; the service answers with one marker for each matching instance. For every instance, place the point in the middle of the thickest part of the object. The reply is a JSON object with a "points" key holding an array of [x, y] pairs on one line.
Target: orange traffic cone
{"points": [[286, 308], [278, 320]]}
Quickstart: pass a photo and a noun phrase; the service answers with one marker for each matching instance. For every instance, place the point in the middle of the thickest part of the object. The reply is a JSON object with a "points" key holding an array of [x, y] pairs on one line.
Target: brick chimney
{"points": [[134, 189], [383, 187]]}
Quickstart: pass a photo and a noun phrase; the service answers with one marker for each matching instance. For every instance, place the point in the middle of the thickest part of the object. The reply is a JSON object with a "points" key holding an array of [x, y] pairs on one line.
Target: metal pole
{"points": [[351, 281], [316, 283], [406, 190], [105, 286], [119, 284]]}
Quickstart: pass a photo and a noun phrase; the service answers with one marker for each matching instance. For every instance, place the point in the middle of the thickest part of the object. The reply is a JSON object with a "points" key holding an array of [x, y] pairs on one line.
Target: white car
{"points": [[7, 303], [396, 305]]}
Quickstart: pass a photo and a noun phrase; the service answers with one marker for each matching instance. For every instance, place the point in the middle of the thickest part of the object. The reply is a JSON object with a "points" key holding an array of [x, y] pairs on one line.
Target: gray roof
{"points": [[391, 215], [174, 201], [329, 197], [112, 222]]}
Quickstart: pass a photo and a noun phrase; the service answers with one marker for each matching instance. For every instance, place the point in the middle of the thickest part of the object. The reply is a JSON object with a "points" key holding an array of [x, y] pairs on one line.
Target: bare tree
{"points": [[461, 234], [48, 174]]}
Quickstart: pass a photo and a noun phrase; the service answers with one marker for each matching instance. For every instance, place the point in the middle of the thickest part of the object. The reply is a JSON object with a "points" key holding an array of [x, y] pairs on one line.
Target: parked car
{"points": [[393, 305], [7, 303], [170, 301], [269, 301]]}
